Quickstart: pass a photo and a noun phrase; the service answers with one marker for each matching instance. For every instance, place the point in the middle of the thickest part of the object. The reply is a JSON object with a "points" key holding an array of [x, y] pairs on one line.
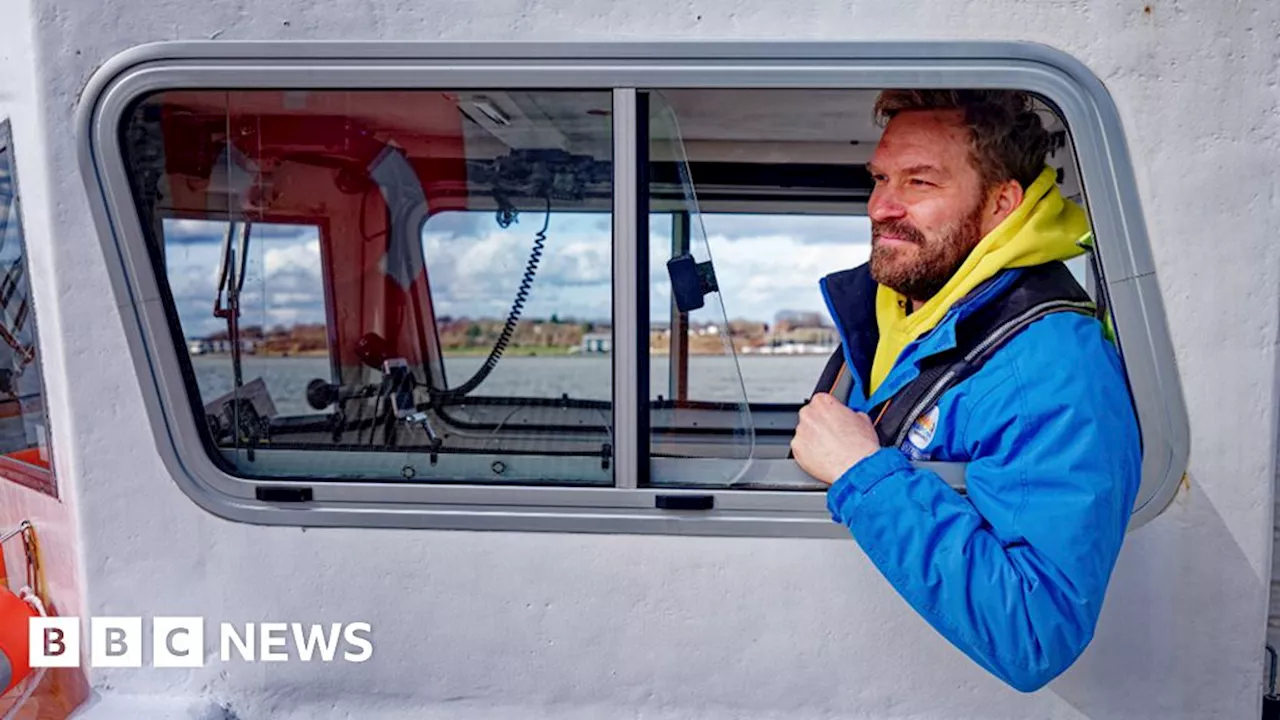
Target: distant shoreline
{"points": [[518, 352]]}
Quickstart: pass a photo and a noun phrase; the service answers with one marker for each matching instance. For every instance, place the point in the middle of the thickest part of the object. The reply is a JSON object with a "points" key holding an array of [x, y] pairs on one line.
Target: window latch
{"points": [[277, 493], [684, 502]]}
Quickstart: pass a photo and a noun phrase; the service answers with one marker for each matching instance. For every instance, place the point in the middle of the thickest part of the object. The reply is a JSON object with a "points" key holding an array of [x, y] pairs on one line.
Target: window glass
{"points": [[282, 329], [24, 450], [709, 422], [410, 286], [778, 190], [564, 346], [769, 265]]}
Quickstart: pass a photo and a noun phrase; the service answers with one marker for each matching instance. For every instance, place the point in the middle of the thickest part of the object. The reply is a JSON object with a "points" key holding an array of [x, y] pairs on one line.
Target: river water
{"points": [[772, 379]]}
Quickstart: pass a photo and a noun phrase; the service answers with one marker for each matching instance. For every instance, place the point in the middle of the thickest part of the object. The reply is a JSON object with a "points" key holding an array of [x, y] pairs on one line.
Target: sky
{"points": [[763, 264]]}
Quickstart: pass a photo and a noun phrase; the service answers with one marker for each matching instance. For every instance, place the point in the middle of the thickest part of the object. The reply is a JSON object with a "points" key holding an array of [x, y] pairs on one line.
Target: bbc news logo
{"points": [[179, 642]]}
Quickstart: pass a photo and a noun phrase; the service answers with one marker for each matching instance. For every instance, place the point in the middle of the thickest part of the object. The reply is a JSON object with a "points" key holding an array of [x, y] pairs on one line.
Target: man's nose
{"points": [[884, 206]]}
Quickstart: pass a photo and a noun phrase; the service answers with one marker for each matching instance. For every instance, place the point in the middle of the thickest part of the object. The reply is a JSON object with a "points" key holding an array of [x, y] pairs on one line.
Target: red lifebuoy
{"points": [[15, 658]]}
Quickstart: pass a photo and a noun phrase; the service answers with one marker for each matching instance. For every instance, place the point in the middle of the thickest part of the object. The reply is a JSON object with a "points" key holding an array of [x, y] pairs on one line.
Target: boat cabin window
{"points": [[408, 286], [24, 427], [561, 295]]}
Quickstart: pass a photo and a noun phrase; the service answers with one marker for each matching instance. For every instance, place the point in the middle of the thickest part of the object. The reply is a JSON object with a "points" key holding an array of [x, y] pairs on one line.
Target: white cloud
{"points": [[182, 231], [285, 316], [761, 275], [763, 264], [801, 229], [294, 298], [282, 284], [479, 274], [302, 257], [584, 263]]}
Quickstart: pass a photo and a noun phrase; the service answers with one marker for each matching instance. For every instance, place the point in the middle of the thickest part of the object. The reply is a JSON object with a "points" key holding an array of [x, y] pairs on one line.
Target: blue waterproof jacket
{"points": [[1012, 573]]}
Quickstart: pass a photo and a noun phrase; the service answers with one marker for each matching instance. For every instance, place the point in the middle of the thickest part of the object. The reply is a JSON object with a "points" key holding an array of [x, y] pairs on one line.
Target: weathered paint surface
{"points": [[471, 625]]}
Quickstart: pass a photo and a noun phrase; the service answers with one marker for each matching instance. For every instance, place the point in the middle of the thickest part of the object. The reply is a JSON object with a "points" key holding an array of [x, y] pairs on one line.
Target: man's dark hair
{"points": [[1007, 139]]}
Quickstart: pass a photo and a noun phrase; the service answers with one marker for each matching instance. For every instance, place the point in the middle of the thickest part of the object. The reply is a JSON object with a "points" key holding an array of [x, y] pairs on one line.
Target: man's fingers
{"points": [[799, 438]]}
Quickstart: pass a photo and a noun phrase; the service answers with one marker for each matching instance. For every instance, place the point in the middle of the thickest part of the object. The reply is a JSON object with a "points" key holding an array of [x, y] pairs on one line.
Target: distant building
{"points": [[220, 345], [796, 333], [596, 343], [787, 320]]}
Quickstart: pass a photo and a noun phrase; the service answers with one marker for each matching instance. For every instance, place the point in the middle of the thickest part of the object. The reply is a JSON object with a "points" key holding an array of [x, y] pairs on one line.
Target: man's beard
{"points": [[921, 271]]}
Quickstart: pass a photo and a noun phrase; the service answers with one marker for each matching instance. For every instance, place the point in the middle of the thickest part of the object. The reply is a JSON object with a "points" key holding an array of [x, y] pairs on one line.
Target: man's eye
{"points": [[917, 182], [878, 177]]}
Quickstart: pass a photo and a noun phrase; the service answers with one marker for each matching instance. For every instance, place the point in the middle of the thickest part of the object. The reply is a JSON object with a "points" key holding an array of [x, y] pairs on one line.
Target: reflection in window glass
{"points": [[563, 343], [24, 451], [710, 423], [410, 286], [281, 325]]}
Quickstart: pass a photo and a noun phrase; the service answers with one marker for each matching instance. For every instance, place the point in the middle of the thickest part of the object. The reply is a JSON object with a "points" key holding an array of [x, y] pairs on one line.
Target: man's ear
{"points": [[1003, 200]]}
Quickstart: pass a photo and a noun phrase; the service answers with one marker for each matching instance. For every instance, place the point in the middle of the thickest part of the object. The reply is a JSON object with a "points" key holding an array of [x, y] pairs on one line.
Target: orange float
{"points": [[15, 660]]}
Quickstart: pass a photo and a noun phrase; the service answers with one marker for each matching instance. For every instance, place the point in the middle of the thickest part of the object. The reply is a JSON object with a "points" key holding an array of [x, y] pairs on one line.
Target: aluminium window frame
{"points": [[1079, 97]]}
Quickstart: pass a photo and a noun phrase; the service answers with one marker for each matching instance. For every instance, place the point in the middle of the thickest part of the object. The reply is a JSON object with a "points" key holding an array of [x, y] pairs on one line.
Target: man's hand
{"points": [[831, 438]]}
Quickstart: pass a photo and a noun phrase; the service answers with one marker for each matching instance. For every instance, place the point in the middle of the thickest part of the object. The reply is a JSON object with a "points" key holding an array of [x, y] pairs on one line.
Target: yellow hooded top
{"points": [[1044, 228]]}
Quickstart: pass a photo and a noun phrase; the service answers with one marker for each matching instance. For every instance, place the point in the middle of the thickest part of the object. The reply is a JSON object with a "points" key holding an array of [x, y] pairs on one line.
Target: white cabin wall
{"points": [[504, 624]]}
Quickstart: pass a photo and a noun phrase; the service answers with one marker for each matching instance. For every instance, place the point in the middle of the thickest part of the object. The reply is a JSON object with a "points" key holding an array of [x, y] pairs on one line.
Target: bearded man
{"points": [[966, 339]]}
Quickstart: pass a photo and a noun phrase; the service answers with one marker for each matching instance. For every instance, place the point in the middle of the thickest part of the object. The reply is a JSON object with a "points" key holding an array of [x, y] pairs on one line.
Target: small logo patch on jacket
{"points": [[921, 434]]}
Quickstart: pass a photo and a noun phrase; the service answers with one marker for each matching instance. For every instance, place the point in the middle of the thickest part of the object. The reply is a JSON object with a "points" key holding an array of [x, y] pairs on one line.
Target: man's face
{"points": [[927, 208]]}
